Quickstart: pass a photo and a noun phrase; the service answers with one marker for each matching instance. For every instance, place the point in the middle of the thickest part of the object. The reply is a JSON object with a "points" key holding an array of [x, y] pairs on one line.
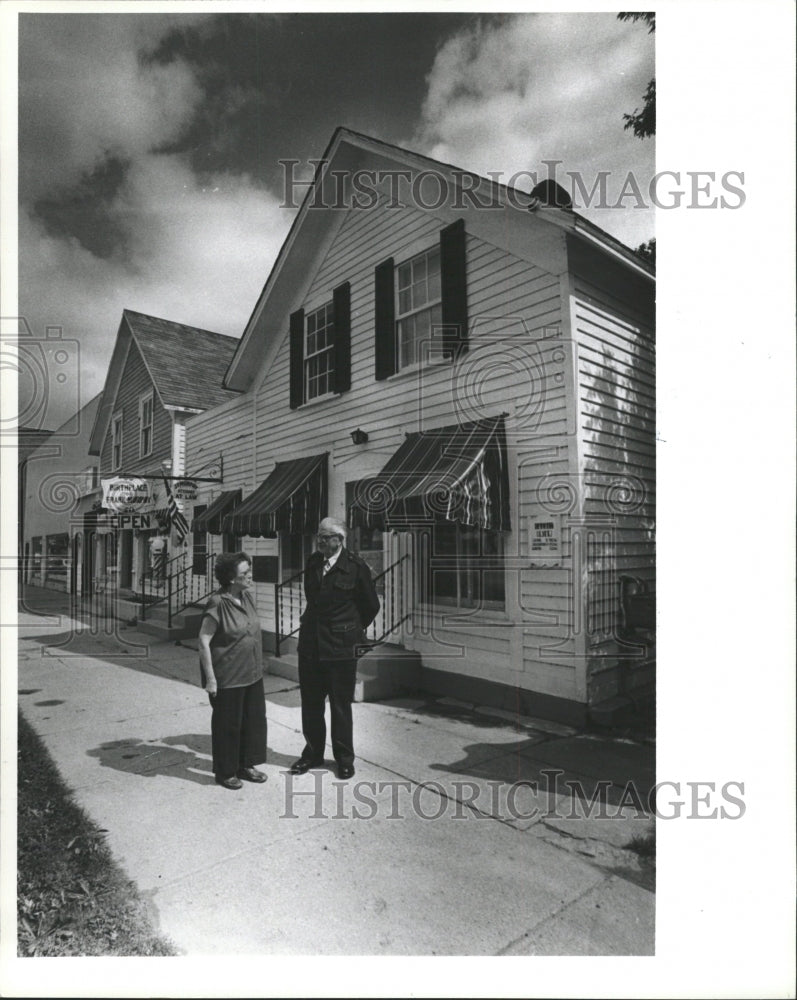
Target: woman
{"points": [[232, 666]]}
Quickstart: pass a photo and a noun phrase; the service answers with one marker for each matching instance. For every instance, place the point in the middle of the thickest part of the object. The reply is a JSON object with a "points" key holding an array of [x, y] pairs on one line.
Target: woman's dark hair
{"points": [[226, 568]]}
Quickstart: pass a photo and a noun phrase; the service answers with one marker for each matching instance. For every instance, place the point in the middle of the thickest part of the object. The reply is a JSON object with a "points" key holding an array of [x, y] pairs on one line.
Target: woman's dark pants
{"points": [[238, 729]]}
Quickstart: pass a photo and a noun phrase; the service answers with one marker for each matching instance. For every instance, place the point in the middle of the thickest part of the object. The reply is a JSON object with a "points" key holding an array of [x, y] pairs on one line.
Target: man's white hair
{"points": [[332, 526]]}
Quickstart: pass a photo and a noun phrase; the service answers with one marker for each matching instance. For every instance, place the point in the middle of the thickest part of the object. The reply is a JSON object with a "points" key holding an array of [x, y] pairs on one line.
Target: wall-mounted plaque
{"points": [[545, 538]]}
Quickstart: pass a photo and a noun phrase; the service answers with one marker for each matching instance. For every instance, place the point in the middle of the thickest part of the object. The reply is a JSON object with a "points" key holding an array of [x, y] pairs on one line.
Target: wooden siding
{"points": [[134, 382], [516, 364], [227, 430], [617, 411]]}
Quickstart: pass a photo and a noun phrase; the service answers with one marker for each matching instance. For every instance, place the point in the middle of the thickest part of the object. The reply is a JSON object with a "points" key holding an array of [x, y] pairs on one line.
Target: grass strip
{"points": [[72, 897]]}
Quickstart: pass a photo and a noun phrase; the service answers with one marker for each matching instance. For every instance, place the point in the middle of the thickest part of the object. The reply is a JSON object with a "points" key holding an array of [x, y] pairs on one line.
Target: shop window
{"points": [[295, 550], [57, 557], [465, 568], [199, 554], [36, 555]]}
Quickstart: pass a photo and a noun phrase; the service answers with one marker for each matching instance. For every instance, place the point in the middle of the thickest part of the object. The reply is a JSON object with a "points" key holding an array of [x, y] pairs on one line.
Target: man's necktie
{"points": [[327, 567]]}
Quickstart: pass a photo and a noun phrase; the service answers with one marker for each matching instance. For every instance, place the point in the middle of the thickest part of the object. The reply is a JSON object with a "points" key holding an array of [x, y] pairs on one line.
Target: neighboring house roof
{"points": [[521, 224], [186, 363], [186, 366], [28, 440]]}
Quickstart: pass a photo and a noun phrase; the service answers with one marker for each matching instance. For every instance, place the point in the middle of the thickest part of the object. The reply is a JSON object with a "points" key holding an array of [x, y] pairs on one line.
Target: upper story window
{"points": [[145, 416], [421, 305], [116, 442], [419, 310], [320, 349], [319, 352]]}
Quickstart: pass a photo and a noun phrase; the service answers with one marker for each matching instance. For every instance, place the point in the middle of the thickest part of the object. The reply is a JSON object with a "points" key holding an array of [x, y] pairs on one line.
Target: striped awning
{"points": [[293, 498], [455, 473], [210, 520]]}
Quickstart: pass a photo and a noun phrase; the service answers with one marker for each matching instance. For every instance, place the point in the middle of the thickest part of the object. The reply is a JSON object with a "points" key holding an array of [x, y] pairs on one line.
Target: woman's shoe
{"points": [[250, 774], [233, 782]]}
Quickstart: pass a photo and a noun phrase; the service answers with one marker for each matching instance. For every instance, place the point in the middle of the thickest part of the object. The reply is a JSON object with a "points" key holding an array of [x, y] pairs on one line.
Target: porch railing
{"points": [[176, 584], [391, 586], [289, 603]]}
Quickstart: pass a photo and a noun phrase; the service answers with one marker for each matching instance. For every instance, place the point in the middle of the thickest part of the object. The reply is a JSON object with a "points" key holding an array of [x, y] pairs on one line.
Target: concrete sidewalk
{"points": [[442, 844]]}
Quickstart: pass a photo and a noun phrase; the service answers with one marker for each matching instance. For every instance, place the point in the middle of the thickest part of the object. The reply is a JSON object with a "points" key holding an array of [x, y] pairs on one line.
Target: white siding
{"points": [[617, 417], [516, 364]]}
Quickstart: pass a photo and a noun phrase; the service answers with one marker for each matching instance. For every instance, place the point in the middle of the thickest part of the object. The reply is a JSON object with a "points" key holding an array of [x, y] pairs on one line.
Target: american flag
{"points": [[176, 519]]}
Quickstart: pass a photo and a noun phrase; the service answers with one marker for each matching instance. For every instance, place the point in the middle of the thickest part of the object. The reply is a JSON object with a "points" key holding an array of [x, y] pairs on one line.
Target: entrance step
{"points": [[386, 671]]}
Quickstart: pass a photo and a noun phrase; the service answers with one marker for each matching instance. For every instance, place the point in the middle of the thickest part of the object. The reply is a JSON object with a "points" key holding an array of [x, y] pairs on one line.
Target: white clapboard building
{"points": [[465, 374]]}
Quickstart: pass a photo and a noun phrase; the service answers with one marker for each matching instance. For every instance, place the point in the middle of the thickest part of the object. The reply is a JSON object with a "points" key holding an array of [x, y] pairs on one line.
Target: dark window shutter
{"points": [[384, 320], [297, 358], [454, 290], [341, 308]]}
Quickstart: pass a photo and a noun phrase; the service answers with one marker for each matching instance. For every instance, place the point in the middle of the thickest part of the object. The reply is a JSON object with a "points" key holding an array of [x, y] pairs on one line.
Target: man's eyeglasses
{"points": [[326, 538]]}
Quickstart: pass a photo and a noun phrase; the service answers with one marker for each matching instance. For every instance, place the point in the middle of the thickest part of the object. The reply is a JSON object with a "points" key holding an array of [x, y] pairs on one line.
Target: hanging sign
{"points": [[185, 490], [545, 539], [126, 494]]}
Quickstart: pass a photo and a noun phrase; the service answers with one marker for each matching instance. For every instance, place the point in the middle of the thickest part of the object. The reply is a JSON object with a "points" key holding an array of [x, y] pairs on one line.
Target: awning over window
{"points": [[210, 520], [456, 473], [293, 498]]}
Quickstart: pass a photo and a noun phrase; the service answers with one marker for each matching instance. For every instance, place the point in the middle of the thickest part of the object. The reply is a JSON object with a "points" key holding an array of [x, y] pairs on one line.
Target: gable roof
{"points": [[186, 366], [519, 223]]}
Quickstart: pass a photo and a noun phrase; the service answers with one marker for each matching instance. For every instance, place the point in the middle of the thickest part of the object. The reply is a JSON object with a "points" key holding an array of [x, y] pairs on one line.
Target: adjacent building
{"points": [[160, 374], [56, 477]]}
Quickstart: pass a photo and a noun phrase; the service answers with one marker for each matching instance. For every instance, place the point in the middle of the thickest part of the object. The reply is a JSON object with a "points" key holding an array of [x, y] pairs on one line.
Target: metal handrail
{"points": [[178, 592], [392, 614], [397, 607], [280, 634]]}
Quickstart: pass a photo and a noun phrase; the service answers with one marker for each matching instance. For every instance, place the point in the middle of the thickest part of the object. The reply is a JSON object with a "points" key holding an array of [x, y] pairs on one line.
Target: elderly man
{"points": [[341, 604]]}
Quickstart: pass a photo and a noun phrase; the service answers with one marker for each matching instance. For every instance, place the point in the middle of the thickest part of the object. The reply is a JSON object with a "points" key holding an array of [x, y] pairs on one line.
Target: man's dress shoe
{"points": [[302, 766], [345, 771], [232, 782]]}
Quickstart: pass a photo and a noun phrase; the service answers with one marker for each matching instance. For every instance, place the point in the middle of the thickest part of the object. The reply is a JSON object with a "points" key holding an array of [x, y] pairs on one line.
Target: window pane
{"points": [[433, 261], [434, 286], [419, 295], [444, 587], [419, 269], [405, 276], [405, 301]]}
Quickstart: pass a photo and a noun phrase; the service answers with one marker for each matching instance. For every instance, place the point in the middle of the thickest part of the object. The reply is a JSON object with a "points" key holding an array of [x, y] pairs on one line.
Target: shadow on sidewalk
{"points": [[156, 757], [620, 772], [165, 756]]}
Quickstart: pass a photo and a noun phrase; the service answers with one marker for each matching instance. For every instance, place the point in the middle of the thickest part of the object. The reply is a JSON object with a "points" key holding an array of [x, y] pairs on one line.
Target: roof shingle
{"points": [[187, 364]]}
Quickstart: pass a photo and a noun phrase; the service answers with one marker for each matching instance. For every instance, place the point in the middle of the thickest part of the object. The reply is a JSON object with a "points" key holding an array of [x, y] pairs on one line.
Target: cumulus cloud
{"points": [[196, 252], [506, 96], [84, 95]]}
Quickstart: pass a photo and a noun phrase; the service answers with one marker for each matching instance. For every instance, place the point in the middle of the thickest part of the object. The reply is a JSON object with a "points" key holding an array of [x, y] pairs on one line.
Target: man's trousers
{"points": [[319, 679]]}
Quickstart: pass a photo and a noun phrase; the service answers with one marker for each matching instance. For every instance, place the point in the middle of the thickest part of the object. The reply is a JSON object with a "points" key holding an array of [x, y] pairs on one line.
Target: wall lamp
{"points": [[358, 436]]}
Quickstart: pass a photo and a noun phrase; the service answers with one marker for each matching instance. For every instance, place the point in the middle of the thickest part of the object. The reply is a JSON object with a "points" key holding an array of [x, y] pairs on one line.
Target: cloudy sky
{"points": [[149, 145]]}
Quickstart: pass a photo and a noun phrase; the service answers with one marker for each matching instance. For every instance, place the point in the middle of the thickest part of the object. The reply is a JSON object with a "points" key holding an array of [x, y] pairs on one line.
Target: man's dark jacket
{"points": [[340, 606]]}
